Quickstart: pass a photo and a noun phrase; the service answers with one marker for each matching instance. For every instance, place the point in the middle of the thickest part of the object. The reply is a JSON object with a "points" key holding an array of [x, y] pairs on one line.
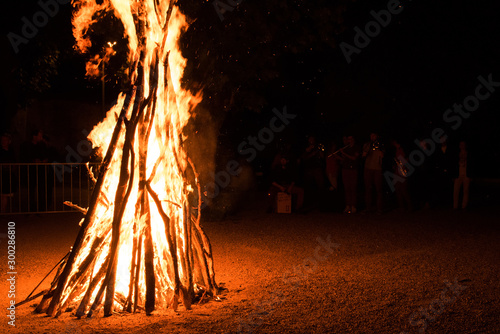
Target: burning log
{"points": [[74, 206], [141, 245]]}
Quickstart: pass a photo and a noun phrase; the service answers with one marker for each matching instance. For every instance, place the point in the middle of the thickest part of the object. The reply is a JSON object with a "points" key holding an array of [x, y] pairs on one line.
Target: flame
{"points": [[83, 19], [170, 108]]}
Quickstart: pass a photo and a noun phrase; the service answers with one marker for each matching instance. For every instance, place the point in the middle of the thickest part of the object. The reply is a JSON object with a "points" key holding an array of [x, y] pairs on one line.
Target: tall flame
{"points": [[142, 219]]}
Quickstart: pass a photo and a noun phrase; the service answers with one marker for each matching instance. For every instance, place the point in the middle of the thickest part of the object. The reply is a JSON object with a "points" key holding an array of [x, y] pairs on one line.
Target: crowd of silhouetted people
{"points": [[373, 177]]}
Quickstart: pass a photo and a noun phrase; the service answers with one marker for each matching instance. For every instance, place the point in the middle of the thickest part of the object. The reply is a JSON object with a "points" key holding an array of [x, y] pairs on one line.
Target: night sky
{"points": [[267, 55]]}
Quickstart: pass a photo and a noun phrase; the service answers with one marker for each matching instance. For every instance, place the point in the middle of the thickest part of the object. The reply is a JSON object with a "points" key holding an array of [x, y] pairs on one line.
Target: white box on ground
{"points": [[283, 203]]}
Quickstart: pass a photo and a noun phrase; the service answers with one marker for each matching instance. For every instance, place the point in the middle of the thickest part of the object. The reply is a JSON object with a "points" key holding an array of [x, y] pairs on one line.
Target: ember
{"points": [[140, 245]]}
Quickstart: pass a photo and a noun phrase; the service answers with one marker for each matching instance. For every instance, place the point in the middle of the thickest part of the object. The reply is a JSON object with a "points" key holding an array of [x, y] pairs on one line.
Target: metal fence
{"points": [[44, 187]]}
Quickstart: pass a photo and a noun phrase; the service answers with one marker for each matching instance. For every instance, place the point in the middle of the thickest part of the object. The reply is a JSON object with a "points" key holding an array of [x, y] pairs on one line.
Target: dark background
{"points": [[267, 55]]}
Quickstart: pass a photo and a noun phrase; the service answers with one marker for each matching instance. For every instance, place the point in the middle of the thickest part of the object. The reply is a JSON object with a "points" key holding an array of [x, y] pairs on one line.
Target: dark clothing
{"points": [[443, 185], [455, 165], [348, 163], [444, 160], [314, 170], [401, 188], [399, 158], [403, 195], [312, 159], [373, 179], [373, 174], [31, 152], [350, 180], [350, 175], [332, 165], [284, 176], [374, 155], [462, 180]]}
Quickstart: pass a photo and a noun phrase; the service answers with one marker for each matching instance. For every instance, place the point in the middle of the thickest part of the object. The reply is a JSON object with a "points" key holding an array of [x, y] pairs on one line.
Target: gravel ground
{"points": [[432, 271]]}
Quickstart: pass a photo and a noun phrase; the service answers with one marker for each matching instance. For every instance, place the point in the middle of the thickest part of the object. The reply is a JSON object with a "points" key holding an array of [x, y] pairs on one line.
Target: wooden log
{"points": [[90, 290], [149, 268], [197, 265], [113, 247], [124, 189], [97, 300], [51, 310], [144, 131], [122, 194], [84, 265], [91, 173], [171, 246], [187, 284], [148, 248], [133, 264], [205, 242], [76, 292], [121, 299], [136, 92], [95, 248], [44, 303], [191, 232], [202, 261], [76, 207], [35, 296], [137, 273], [76, 284]]}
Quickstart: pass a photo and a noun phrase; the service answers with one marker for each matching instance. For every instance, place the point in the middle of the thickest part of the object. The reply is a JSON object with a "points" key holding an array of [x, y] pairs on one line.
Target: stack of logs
{"points": [[75, 279]]}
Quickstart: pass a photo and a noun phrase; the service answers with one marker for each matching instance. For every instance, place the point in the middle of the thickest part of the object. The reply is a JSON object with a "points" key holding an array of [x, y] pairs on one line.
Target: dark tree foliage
{"points": [[253, 57], [257, 47], [35, 73], [33, 64]]}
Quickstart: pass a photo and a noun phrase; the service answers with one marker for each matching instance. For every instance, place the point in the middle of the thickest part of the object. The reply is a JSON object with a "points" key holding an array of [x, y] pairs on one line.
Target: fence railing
{"points": [[44, 187]]}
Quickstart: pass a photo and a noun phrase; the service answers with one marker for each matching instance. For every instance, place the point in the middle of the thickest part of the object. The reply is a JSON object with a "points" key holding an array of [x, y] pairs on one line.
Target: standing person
{"points": [[333, 167], [373, 153], [312, 160], [461, 174], [350, 162], [8, 186], [401, 188], [444, 183]]}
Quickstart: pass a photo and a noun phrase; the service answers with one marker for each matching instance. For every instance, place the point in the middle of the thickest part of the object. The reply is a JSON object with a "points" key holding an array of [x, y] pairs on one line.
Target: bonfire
{"points": [[141, 246]]}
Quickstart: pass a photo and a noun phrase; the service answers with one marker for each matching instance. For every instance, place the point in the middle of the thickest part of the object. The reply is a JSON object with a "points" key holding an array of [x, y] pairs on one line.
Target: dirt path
{"points": [[435, 271]]}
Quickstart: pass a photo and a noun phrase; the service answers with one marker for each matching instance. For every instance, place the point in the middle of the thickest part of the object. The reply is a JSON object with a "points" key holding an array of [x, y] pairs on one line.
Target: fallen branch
{"points": [[74, 206], [31, 298]]}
